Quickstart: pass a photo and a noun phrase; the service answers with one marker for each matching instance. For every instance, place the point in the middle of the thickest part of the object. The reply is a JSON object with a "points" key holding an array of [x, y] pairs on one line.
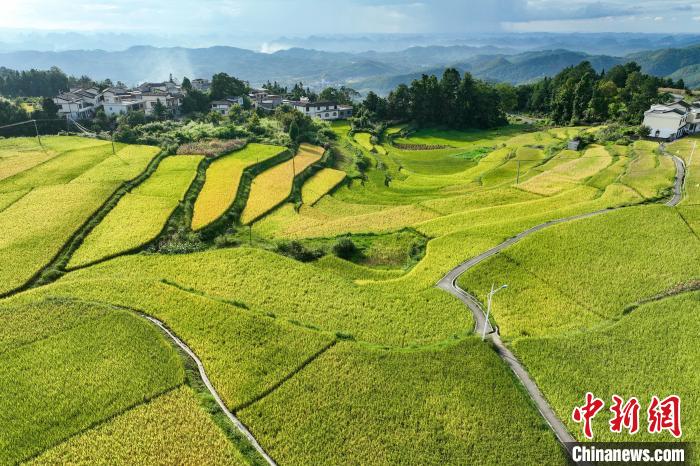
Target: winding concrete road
{"points": [[449, 283], [236, 422]]}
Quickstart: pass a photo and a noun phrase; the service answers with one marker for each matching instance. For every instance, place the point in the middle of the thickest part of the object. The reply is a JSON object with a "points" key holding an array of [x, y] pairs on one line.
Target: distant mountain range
{"points": [[378, 71]]}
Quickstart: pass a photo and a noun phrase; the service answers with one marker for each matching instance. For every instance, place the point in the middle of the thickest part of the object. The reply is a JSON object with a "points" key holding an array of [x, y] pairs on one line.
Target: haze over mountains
{"points": [[515, 58]]}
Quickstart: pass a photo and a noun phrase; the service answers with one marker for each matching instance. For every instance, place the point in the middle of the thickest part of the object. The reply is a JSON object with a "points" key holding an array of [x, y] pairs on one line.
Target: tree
{"points": [[343, 95], [186, 84], [294, 131], [399, 103], [49, 108], [160, 111], [223, 85], [195, 102]]}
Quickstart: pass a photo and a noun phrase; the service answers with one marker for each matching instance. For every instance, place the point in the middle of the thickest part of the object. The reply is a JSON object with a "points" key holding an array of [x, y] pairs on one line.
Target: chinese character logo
{"points": [[587, 412]]}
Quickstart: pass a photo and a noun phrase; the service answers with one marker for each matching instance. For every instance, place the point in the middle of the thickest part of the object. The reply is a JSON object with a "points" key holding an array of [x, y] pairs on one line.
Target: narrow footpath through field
{"points": [[449, 283], [202, 373]]}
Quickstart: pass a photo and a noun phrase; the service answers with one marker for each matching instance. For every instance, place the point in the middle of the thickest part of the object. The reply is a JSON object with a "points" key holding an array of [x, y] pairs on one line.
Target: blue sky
{"points": [[305, 17]]}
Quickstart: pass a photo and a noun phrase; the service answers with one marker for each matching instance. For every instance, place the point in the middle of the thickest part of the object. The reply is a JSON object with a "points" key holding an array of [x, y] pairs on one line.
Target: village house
{"points": [[224, 106], [200, 84], [77, 104], [323, 110], [673, 120]]}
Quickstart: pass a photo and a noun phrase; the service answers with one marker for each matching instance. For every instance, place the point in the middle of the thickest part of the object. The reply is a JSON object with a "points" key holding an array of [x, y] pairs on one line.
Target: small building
{"points": [[323, 110], [123, 106], [224, 106], [77, 104], [149, 99], [673, 120], [200, 84], [574, 144]]}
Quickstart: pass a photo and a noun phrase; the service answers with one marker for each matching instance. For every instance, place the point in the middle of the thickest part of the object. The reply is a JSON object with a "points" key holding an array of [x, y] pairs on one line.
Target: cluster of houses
{"points": [[673, 120], [81, 104]]}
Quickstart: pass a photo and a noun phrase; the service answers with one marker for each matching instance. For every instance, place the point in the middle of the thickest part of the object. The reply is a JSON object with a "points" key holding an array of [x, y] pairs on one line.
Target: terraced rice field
{"points": [[360, 358], [222, 180], [320, 184], [140, 215], [273, 186]]}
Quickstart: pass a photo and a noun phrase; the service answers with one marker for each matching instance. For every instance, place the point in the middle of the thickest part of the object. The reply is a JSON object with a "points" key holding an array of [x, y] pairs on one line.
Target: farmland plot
{"points": [[45, 402], [222, 181], [140, 215], [171, 429], [274, 185], [548, 294], [640, 361], [320, 184], [403, 407]]}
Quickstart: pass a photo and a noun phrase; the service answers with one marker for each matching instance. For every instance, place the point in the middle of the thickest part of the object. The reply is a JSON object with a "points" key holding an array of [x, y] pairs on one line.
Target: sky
{"points": [[307, 17]]}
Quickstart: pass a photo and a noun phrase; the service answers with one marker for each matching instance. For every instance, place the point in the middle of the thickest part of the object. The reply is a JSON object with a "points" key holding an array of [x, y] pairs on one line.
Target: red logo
{"points": [[662, 415]]}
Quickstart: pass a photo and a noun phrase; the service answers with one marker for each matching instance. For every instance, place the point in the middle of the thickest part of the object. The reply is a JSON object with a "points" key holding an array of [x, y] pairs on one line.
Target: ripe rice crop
{"points": [[648, 173], [171, 429], [689, 150], [434, 406], [547, 292], [125, 165], [140, 216], [37, 225], [222, 180], [320, 184], [304, 293], [56, 387], [60, 169], [641, 361], [274, 185]]}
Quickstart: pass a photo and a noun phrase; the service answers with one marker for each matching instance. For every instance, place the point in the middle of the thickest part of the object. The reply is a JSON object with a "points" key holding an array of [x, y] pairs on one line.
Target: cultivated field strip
{"points": [[141, 215], [272, 187], [222, 181], [449, 284]]}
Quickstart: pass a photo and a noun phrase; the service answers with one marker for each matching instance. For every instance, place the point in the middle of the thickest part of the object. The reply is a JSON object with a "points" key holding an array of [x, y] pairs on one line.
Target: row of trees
{"points": [[453, 101], [579, 94], [44, 83]]}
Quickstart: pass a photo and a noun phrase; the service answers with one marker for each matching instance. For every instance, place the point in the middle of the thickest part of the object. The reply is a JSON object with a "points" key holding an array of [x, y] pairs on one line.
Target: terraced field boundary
{"points": [[298, 181], [449, 284], [232, 215], [241, 428], [177, 217], [197, 379], [57, 265]]}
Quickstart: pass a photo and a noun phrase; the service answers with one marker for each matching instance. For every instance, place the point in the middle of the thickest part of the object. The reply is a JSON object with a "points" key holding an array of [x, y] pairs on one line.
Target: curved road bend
{"points": [[449, 283], [236, 422]]}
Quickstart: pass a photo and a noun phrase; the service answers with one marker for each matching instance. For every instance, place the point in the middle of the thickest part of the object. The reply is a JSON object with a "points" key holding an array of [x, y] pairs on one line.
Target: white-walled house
{"points": [[224, 106], [673, 120], [78, 104], [323, 110], [123, 106]]}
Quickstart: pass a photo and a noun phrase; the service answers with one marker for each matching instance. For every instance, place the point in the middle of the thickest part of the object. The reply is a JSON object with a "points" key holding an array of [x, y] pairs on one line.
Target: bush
{"points": [[298, 251], [345, 249]]}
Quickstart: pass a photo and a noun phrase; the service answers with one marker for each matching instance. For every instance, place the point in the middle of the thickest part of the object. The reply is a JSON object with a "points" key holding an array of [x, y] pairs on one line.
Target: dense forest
{"points": [[579, 94], [453, 101]]}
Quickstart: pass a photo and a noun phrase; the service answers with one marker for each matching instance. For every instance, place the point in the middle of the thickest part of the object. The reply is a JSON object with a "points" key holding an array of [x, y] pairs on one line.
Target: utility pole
{"points": [[250, 235], [111, 134], [37, 133], [488, 307], [517, 181]]}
